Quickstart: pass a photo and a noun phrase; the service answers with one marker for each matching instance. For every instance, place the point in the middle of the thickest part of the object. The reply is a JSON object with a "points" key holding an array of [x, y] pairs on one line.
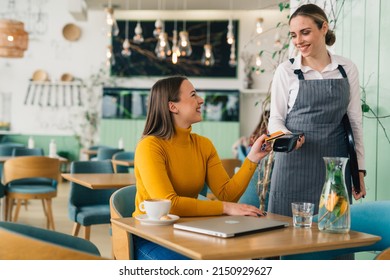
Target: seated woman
{"points": [[173, 163]]}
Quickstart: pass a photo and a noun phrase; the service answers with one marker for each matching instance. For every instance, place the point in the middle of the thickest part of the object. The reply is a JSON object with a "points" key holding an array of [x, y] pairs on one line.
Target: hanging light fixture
{"points": [[126, 52], [259, 25], [110, 58], [158, 25], [208, 56], [138, 37], [230, 34], [162, 49], [13, 38], [175, 47], [233, 60], [184, 39], [113, 29], [278, 41]]}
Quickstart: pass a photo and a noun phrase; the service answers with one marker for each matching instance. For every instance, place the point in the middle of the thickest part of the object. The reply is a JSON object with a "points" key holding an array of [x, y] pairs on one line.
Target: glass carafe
{"points": [[334, 208]]}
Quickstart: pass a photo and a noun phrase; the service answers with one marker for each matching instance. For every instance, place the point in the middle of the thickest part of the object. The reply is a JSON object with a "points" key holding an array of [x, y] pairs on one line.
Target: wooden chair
{"points": [[384, 255], [17, 175], [122, 204]]}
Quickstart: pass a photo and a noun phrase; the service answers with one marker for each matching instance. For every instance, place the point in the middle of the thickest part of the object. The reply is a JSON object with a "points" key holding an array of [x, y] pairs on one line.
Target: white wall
{"points": [[52, 53]]}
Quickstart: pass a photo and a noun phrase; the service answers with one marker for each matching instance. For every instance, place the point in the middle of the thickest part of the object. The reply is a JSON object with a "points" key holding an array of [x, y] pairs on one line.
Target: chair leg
{"points": [[6, 208], [18, 206], [45, 212], [87, 232], [9, 203], [76, 229], [50, 218], [25, 204]]}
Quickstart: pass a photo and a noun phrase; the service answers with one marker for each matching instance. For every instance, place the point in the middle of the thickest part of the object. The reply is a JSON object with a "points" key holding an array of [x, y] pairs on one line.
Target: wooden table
{"points": [[89, 153], [15, 246], [277, 242], [127, 163], [101, 180]]}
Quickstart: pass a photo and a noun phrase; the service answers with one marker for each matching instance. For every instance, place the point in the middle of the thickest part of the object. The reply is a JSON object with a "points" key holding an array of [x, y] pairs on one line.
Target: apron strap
{"points": [[299, 72]]}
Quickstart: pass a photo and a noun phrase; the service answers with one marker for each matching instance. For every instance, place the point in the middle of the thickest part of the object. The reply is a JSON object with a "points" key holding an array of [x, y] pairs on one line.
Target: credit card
{"points": [[275, 135]]}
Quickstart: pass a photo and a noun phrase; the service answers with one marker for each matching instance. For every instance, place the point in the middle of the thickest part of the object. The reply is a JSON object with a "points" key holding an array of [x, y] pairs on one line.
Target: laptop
{"points": [[229, 226]]}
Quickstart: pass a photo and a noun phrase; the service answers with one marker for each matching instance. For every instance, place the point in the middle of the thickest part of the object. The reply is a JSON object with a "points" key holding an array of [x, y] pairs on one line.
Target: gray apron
{"points": [[317, 112]]}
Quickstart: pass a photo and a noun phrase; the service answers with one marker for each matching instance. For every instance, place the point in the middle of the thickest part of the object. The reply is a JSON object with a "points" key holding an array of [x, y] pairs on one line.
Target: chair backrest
{"points": [[384, 255], [31, 167], [82, 196], [6, 150], [106, 153], [230, 164], [51, 236], [124, 155], [22, 151], [122, 204]]}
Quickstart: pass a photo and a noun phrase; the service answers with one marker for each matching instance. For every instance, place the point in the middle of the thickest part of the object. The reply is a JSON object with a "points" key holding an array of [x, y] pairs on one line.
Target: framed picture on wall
{"points": [[143, 60], [132, 103]]}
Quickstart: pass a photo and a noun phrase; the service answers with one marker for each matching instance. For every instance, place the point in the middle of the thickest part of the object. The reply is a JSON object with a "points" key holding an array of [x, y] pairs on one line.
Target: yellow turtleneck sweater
{"points": [[177, 169]]}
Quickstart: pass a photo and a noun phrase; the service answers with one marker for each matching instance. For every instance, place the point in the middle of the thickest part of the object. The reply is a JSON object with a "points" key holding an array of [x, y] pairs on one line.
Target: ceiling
{"points": [[180, 4]]}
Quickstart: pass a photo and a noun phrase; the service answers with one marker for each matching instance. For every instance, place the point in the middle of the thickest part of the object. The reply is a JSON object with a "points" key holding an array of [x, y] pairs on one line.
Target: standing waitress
{"points": [[310, 94]]}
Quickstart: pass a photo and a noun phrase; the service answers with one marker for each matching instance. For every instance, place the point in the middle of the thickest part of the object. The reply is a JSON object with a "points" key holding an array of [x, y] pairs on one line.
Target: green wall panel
{"points": [[222, 134], [361, 37], [67, 144], [383, 191]]}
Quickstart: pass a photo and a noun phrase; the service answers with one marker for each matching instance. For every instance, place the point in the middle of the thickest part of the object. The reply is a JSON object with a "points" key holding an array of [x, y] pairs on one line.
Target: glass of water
{"points": [[302, 214]]}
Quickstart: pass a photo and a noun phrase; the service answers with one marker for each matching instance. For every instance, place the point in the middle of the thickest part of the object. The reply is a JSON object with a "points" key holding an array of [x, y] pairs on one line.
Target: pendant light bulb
{"points": [[208, 56], [126, 52], [162, 49], [138, 37], [259, 25], [158, 25], [113, 29], [232, 60], [230, 35], [184, 44], [110, 58], [175, 47]]}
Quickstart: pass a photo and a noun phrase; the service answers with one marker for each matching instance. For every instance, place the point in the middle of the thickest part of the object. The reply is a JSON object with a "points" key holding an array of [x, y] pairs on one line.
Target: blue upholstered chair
{"points": [[31, 177], [123, 155], [50, 236], [250, 196], [5, 151], [89, 207], [122, 204], [95, 148], [368, 217], [107, 153], [23, 151]]}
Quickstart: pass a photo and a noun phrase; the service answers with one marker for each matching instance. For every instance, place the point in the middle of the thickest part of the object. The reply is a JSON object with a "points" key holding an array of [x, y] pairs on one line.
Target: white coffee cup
{"points": [[155, 208]]}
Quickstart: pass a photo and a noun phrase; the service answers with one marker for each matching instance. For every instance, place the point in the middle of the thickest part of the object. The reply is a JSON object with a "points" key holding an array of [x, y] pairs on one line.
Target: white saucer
{"points": [[145, 220]]}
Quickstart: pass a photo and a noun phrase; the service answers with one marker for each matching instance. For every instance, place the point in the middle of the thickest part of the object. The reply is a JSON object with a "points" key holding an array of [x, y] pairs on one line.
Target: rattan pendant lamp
{"points": [[13, 38]]}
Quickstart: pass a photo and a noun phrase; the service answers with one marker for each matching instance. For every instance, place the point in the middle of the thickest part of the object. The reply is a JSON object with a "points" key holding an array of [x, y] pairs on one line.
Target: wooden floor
{"points": [[100, 235]]}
